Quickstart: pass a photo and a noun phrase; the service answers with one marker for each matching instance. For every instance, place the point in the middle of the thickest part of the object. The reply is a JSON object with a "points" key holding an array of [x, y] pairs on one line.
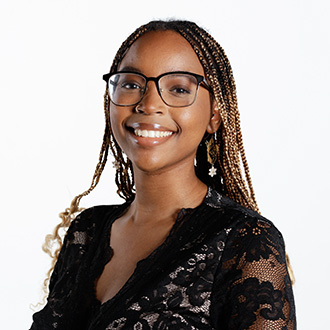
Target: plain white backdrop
{"points": [[53, 55]]}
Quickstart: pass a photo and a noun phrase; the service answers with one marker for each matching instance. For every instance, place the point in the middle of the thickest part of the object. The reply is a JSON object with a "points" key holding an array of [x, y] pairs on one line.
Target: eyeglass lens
{"points": [[177, 89]]}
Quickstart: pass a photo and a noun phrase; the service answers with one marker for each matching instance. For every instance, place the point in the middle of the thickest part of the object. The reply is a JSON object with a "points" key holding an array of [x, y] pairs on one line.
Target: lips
{"points": [[149, 130], [149, 133]]}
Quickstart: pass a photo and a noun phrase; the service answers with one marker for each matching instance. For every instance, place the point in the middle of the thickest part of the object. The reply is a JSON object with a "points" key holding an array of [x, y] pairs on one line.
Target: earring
{"points": [[212, 154]]}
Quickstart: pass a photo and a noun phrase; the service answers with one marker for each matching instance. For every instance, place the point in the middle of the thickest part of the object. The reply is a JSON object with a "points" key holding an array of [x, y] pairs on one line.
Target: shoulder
{"points": [[87, 227], [249, 227], [251, 238], [246, 229], [89, 221], [92, 215]]}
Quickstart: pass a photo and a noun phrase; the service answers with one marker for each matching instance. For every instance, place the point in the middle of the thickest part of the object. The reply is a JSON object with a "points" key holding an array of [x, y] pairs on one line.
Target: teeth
{"points": [[152, 134]]}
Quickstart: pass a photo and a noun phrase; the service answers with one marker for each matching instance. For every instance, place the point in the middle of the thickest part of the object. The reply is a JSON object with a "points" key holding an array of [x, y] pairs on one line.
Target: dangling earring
{"points": [[212, 154]]}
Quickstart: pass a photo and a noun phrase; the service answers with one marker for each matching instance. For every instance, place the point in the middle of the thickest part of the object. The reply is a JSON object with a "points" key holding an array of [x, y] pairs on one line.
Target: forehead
{"points": [[158, 52]]}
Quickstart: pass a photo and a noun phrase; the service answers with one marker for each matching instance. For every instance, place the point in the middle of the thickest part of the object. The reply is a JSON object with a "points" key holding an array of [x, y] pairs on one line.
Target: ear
{"points": [[215, 120]]}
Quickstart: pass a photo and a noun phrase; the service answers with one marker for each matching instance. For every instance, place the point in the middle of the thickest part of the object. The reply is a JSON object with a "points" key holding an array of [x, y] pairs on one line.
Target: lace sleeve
{"points": [[74, 246], [257, 293]]}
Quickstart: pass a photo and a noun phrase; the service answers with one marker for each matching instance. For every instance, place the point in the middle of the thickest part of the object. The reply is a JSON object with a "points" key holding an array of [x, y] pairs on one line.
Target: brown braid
{"points": [[231, 156]]}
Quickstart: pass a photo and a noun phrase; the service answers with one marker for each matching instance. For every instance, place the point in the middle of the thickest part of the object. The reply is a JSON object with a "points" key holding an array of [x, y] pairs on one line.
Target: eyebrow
{"points": [[130, 68]]}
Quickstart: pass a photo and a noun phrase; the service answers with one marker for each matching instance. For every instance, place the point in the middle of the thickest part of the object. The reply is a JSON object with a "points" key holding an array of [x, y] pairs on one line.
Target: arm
{"points": [[256, 289], [67, 265]]}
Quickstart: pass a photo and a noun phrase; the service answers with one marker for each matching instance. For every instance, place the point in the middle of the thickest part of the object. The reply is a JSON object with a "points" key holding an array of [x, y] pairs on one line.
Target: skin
{"points": [[163, 168]]}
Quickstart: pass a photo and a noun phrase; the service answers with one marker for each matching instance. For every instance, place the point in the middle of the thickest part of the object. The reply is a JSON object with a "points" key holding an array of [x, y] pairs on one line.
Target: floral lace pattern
{"points": [[221, 267]]}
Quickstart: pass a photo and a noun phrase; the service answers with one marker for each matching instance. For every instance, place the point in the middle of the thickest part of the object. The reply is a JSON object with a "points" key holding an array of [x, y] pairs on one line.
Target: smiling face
{"points": [[155, 136]]}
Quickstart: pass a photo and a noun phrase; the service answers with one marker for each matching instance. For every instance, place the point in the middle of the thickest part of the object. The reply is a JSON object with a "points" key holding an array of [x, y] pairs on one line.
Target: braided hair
{"points": [[234, 179]]}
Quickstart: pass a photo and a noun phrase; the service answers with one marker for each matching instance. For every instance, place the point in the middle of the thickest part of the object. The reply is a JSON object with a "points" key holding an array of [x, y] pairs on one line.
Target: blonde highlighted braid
{"points": [[231, 159]]}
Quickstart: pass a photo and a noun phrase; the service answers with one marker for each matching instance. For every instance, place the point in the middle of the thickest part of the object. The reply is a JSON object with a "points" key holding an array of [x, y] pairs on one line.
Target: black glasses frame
{"points": [[201, 81]]}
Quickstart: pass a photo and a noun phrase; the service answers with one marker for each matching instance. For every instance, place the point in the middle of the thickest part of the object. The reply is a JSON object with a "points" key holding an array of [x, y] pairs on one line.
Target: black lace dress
{"points": [[221, 267]]}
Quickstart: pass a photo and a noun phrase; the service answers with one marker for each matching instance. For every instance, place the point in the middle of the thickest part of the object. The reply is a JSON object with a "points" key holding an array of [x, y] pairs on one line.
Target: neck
{"points": [[159, 196]]}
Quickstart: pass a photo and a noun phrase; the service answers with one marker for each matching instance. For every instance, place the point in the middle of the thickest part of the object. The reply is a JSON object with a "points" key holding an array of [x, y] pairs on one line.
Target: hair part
{"points": [[234, 179]]}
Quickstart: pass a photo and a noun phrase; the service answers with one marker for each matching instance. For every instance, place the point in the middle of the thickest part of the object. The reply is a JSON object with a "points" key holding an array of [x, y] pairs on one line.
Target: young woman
{"points": [[188, 249]]}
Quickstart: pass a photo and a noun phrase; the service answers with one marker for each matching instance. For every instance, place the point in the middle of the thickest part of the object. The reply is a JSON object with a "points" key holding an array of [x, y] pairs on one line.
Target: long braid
{"points": [[219, 73], [231, 157], [69, 214]]}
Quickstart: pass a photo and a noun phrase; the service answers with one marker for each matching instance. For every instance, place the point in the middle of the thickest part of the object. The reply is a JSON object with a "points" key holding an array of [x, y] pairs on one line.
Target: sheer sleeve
{"points": [[256, 290], [74, 247]]}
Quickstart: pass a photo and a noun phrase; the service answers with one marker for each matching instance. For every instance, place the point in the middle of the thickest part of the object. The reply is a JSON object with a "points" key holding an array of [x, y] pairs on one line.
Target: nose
{"points": [[151, 102]]}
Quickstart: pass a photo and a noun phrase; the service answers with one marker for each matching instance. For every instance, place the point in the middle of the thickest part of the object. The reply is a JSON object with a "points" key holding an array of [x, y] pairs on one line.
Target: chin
{"points": [[148, 168]]}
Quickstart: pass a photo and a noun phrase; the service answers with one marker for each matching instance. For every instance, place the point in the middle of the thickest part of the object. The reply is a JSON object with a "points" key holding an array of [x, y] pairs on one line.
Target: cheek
{"points": [[116, 119], [198, 116]]}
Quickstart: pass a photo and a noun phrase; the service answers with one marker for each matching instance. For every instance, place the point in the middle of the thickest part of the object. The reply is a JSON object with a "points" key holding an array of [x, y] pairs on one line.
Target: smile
{"points": [[151, 134]]}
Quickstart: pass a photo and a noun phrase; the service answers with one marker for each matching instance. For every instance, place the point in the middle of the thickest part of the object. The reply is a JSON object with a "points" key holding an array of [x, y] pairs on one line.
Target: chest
{"points": [[181, 290], [129, 245]]}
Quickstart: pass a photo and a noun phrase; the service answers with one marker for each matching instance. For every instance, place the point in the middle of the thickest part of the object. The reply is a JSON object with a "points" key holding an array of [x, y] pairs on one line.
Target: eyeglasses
{"points": [[176, 89]]}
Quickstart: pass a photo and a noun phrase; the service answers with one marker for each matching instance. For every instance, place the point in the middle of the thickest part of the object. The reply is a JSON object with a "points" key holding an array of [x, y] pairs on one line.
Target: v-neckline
{"points": [[109, 253]]}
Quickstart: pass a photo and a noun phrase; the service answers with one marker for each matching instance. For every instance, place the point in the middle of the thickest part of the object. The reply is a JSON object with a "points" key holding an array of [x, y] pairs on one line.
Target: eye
{"points": [[130, 85], [178, 85], [180, 90]]}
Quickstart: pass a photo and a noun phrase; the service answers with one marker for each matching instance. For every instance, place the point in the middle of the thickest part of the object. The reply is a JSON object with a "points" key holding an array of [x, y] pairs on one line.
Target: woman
{"points": [[187, 250]]}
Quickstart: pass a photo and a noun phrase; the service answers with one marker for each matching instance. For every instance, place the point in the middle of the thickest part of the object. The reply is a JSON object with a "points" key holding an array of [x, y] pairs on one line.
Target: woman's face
{"points": [[170, 136]]}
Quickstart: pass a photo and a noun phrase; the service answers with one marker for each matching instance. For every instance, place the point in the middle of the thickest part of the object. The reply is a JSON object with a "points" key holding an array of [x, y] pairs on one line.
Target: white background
{"points": [[53, 55]]}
